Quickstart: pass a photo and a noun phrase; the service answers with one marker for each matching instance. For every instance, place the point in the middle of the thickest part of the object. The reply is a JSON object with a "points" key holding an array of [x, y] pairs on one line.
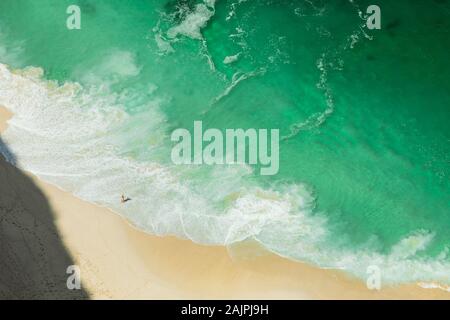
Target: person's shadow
{"points": [[33, 259]]}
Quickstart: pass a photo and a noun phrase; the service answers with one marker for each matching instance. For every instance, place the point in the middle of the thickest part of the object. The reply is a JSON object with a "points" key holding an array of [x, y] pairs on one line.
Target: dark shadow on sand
{"points": [[33, 259]]}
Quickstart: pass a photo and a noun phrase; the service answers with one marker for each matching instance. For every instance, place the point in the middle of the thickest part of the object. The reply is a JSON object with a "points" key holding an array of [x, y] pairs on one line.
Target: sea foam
{"points": [[76, 138], [193, 23]]}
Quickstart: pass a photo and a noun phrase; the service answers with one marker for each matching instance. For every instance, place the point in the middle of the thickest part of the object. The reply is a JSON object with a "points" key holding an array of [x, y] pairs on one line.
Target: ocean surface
{"points": [[364, 175]]}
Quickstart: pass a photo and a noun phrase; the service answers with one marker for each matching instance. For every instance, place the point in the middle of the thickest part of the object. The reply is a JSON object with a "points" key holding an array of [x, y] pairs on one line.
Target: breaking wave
{"points": [[78, 138]]}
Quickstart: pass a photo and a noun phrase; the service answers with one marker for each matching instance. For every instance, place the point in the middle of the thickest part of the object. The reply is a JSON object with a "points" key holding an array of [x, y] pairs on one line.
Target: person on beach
{"points": [[124, 199]]}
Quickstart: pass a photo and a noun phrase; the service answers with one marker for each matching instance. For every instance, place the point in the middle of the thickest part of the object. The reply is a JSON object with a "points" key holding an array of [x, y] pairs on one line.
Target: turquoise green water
{"points": [[363, 115]]}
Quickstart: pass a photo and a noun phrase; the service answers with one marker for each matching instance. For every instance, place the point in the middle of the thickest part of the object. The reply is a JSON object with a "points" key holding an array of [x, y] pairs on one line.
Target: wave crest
{"points": [[78, 138]]}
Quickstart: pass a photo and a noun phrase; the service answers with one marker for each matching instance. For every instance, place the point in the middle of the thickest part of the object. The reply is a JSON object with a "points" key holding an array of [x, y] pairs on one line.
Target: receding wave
{"points": [[75, 137]]}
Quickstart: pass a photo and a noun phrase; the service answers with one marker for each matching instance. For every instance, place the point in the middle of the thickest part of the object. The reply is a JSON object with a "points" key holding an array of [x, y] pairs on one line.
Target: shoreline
{"points": [[118, 261]]}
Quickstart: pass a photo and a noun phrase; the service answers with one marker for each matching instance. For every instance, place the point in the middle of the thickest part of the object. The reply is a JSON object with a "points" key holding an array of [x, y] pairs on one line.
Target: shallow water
{"points": [[363, 115]]}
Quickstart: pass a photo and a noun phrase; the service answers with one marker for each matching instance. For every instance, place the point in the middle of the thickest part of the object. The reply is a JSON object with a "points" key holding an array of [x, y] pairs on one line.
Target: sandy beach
{"points": [[44, 230]]}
